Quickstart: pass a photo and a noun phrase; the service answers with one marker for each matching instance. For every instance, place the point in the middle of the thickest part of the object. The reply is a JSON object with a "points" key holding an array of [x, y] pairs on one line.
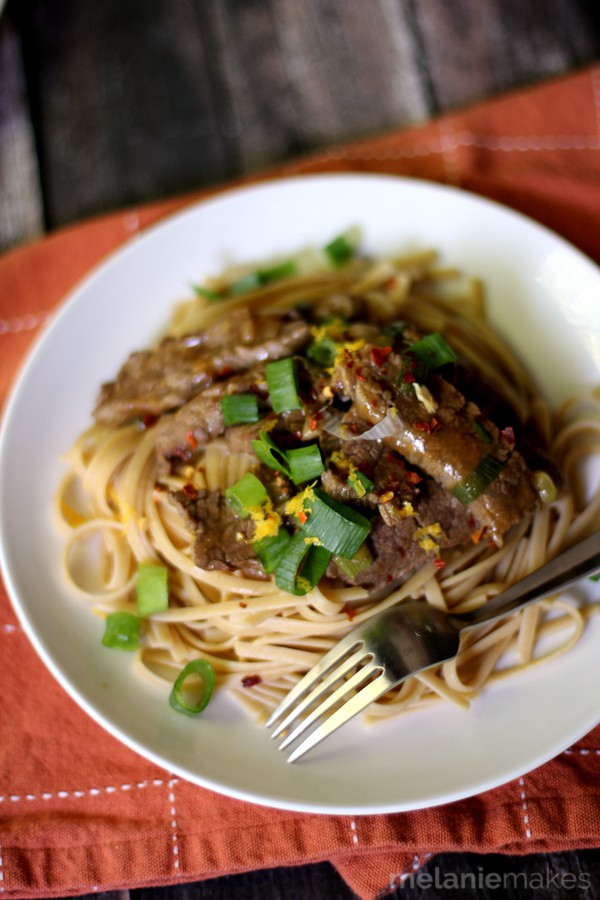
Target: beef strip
{"points": [[201, 419], [447, 443], [221, 540], [155, 381]]}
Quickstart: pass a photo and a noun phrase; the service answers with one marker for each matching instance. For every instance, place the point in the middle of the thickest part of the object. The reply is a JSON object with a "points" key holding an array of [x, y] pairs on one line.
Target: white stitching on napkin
{"points": [[502, 144], [355, 838], [525, 809], [173, 812], [92, 792], [449, 146], [583, 751], [1, 871], [9, 628], [28, 322]]}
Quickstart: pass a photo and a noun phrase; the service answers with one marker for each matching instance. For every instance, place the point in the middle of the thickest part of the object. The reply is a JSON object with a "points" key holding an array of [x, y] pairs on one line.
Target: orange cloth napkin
{"points": [[79, 812]]}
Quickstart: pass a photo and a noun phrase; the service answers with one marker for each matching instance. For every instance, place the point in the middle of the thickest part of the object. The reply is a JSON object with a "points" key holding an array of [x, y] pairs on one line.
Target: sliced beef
{"points": [[156, 381], [201, 419], [440, 432], [222, 541]]}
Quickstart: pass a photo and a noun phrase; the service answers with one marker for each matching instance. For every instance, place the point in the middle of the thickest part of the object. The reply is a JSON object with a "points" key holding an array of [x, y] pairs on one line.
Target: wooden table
{"points": [[105, 104]]}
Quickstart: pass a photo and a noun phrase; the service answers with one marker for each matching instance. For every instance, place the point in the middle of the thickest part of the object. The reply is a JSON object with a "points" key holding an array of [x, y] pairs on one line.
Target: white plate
{"points": [[543, 294]]}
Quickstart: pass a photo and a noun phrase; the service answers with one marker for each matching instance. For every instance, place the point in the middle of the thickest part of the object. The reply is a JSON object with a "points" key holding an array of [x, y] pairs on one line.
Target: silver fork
{"points": [[401, 641]]}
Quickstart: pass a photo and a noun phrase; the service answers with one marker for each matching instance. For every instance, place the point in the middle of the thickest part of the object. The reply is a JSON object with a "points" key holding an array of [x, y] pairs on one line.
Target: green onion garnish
{"points": [[269, 453], [151, 589], [433, 351], [471, 487], [280, 270], [254, 280], [339, 528], [595, 577], [352, 567], [302, 566], [271, 549], [122, 631], [178, 699], [245, 284], [305, 463], [206, 293], [483, 434], [361, 483], [340, 249], [239, 409], [323, 352], [283, 387], [246, 493]]}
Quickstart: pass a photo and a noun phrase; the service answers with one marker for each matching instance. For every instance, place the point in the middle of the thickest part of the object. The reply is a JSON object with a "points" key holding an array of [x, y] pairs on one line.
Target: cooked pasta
{"points": [[116, 506]]}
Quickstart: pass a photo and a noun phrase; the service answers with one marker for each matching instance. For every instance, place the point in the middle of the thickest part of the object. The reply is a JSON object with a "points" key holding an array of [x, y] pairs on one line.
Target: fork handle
{"points": [[569, 566]]}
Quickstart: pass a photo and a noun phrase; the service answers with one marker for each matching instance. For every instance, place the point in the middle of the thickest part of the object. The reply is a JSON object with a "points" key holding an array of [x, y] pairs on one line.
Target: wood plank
{"points": [[478, 48], [21, 215]]}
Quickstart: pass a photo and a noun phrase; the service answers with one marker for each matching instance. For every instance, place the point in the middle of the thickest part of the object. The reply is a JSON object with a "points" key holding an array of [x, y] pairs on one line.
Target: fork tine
{"points": [[327, 662], [329, 702], [351, 708], [320, 688]]}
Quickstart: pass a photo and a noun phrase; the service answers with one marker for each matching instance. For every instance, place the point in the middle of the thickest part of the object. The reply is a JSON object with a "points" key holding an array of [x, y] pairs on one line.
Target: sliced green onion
{"points": [[151, 589], [122, 631], [282, 383], [277, 272], [305, 463], [483, 434], [269, 453], [239, 409], [254, 280], [339, 528], [178, 699], [471, 487], [595, 577], [302, 566], [323, 352], [352, 567], [361, 483], [245, 284], [341, 248], [246, 493], [271, 549], [433, 351], [206, 293]]}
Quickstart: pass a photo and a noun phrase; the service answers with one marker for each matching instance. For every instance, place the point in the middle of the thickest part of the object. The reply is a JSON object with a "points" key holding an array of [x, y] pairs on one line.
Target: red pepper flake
{"points": [[476, 536], [312, 423], [429, 427], [302, 517], [380, 354], [225, 372], [243, 604], [251, 680], [189, 490], [351, 614], [149, 420], [360, 375], [439, 563], [408, 377], [413, 478], [191, 440]]}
